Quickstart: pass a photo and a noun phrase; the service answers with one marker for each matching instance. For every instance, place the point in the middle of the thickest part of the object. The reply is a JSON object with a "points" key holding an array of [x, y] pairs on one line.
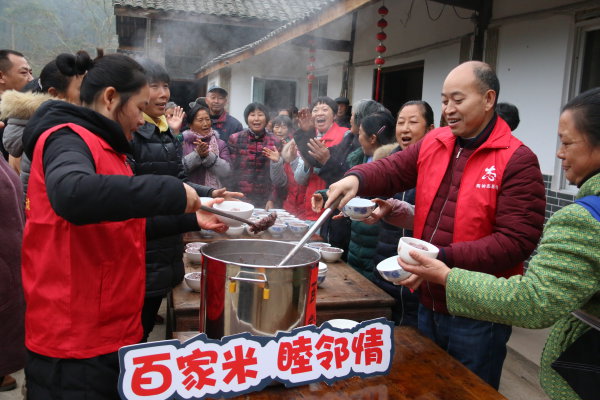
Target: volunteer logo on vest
{"points": [[489, 175]]}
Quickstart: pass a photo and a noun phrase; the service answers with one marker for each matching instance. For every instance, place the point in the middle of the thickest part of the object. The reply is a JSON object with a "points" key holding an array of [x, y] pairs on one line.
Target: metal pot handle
{"points": [[239, 278], [233, 286]]}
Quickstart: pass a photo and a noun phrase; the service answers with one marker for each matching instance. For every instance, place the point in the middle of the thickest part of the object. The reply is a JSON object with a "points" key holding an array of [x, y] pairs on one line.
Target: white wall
{"points": [[532, 62]]}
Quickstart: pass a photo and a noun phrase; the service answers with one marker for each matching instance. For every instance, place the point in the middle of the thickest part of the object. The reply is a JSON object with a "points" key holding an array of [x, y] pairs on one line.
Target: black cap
{"points": [[342, 100], [218, 89]]}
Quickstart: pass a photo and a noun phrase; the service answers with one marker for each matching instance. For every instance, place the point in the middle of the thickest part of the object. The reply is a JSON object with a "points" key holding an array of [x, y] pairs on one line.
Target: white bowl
{"points": [[238, 208], [298, 228], [317, 245], [331, 254], [195, 245], [391, 271], [342, 323], [277, 229], [194, 255], [322, 273], [358, 209], [235, 231], [192, 279], [407, 244]]}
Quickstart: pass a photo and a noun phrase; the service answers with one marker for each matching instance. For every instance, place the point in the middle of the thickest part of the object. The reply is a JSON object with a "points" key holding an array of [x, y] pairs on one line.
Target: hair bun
{"points": [[70, 65], [83, 62]]}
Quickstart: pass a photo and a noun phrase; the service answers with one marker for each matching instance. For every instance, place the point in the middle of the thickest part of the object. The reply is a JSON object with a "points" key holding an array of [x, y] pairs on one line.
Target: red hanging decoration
{"points": [[380, 48], [310, 68]]}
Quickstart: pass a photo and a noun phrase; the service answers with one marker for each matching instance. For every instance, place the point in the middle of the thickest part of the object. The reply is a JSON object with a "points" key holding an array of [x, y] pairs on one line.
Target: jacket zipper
{"points": [[437, 225]]}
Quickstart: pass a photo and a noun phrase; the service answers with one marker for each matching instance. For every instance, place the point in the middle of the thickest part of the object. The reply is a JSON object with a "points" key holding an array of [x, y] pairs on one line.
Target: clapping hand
{"points": [[271, 154], [305, 120], [201, 148], [318, 150]]}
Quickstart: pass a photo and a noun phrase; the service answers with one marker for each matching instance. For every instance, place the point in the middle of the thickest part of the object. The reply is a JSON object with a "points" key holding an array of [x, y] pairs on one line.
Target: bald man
{"points": [[480, 199]]}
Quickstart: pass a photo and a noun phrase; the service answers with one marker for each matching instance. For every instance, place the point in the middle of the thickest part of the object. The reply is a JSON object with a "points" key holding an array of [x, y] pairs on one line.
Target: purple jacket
{"points": [[12, 304], [197, 167]]}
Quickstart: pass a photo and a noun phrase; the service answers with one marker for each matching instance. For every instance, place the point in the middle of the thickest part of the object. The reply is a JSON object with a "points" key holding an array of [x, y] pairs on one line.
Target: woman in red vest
{"points": [[84, 243], [317, 130]]}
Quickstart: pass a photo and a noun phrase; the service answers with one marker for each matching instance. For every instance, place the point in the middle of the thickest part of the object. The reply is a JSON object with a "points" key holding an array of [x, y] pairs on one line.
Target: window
{"points": [[319, 87], [585, 73], [274, 93]]}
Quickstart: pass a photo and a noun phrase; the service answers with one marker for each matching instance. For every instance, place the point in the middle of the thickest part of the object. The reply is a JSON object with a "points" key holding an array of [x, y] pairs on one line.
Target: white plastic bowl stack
{"points": [[194, 255]]}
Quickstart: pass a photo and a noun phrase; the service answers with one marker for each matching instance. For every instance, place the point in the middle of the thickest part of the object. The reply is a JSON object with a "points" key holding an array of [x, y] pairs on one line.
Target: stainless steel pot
{"points": [[243, 290]]}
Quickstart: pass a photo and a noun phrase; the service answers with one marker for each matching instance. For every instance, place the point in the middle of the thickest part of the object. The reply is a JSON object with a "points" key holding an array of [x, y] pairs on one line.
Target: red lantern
{"points": [[380, 48]]}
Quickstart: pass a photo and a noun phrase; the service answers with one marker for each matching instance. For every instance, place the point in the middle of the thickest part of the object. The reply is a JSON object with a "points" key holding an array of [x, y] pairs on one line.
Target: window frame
{"points": [[582, 28]]}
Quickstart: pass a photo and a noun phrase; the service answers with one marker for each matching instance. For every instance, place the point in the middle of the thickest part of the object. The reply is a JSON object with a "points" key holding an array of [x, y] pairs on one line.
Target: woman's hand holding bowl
{"points": [[430, 269]]}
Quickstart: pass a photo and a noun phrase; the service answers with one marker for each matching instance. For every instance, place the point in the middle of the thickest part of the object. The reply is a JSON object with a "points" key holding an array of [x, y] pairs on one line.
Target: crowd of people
{"points": [[102, 174]]}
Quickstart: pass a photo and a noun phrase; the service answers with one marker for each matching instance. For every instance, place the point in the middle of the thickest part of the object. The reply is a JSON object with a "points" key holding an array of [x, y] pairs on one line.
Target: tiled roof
{"points": [[270, 10], [295, 21]]}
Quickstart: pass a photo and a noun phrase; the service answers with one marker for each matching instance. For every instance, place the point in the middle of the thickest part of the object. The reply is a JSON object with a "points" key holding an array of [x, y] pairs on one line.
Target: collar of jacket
{"points": [[499, 138], [147, 130], [256, 137]]}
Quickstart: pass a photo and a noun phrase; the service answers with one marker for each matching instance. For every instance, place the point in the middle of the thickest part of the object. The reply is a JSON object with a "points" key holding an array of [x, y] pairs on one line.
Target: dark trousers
{"points": [[49, 378], [479, 345], [149, 313]]}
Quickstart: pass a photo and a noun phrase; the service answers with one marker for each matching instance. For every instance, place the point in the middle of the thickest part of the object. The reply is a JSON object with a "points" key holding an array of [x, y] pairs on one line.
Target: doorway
{"points": [[400, 84]]}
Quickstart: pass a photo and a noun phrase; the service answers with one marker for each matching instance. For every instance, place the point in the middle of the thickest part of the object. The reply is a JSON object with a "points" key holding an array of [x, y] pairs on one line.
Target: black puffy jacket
{"points": [[159, 153]]}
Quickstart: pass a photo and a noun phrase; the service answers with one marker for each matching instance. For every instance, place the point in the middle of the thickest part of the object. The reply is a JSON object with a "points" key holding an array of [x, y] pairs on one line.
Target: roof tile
{"points": [[271, 10]]}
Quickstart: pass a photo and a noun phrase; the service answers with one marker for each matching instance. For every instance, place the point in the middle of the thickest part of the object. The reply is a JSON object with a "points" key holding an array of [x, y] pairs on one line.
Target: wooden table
{"points": [[420, 370], [345, 293]]}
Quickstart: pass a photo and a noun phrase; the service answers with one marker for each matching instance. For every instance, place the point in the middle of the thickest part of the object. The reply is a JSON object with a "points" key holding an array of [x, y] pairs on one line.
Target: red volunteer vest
{"points": [[294, 200], [475, 214], [83, 284], [332, 137]]}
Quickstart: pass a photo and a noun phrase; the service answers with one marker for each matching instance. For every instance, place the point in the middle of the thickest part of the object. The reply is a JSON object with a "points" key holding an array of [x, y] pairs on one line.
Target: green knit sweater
{"points": [[563, 276]]}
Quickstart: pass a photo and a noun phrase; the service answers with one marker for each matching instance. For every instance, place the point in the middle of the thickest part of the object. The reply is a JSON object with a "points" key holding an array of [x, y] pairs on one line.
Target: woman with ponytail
{"points": [[59, 79], [84, 243]]}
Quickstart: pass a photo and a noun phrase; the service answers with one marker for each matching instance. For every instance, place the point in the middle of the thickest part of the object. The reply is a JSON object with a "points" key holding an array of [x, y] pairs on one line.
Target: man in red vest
{"points": [[480, 199]]}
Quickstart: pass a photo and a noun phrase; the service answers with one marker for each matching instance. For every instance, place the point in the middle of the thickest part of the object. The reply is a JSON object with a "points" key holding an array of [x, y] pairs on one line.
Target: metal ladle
{"points": [[328, 211]]}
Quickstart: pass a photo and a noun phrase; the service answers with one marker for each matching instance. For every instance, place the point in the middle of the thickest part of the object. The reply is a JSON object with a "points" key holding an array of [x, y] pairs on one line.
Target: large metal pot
{"points": [[243, 291]]}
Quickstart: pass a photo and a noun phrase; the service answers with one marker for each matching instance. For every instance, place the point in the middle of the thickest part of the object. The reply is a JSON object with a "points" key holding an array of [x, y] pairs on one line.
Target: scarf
{"points": [[162, 123], [218, 122]]}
